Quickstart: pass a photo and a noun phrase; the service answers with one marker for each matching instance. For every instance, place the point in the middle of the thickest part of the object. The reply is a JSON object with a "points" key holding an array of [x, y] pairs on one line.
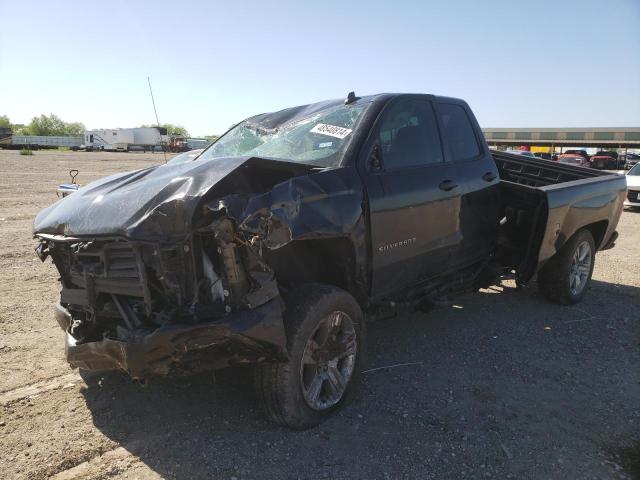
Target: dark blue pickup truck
{"points": [[270, 247]]}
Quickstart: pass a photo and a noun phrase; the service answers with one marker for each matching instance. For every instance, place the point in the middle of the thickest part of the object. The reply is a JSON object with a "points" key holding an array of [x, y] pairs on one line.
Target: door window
{"points": [[457, 132], [408, 135]]}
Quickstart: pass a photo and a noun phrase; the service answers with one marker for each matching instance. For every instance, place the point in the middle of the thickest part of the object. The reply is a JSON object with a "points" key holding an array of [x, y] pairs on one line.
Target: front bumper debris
{"points": [[248, 336]]}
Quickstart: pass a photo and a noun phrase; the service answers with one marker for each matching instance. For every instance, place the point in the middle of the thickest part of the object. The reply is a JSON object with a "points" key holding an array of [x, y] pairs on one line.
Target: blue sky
{"points": [[518, 64]]}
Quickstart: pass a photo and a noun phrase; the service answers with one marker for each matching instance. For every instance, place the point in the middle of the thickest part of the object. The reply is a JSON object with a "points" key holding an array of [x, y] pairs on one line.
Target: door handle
{"points": [[447, 185], [489, 177]]}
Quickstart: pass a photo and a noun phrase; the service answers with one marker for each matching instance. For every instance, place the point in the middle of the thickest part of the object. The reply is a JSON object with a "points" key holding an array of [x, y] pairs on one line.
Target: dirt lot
{"points": [[501, 385]]}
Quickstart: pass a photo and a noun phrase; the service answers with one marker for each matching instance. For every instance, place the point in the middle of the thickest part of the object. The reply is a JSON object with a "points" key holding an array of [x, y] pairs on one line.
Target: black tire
{"points": [[279, 385], [554, 279]]}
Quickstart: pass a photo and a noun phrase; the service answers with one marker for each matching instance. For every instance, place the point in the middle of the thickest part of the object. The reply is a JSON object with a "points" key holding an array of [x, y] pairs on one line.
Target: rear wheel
{"points": [[325, 339], [566, 276]]}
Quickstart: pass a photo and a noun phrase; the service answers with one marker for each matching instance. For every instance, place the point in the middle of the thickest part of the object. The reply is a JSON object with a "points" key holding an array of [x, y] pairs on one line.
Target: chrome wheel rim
{"points": [[580, 268], [328, 361]]}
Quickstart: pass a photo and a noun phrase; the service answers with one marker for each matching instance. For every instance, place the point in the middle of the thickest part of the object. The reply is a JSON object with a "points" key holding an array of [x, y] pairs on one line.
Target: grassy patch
{"points": [[26, 151]]}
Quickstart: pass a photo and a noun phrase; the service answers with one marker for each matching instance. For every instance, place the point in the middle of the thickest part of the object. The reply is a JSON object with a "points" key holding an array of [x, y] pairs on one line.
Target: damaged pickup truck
{"points": [[269, 246]]}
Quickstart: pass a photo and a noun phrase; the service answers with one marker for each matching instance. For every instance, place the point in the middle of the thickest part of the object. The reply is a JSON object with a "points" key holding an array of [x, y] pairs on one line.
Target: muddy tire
{"points": [[326, 344], [565, 278]]}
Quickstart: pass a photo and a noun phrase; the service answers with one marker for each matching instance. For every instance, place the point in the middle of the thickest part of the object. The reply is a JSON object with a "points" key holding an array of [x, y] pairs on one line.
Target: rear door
{"points": [[414, 197], [480, 205]]}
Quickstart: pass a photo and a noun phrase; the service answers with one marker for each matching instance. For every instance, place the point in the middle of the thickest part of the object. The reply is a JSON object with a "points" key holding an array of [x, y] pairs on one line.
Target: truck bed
{"points": [[539, 172], [544, 203]]}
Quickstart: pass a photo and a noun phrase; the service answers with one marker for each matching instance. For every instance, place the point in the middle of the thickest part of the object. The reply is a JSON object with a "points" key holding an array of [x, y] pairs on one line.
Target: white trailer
{"points": [[122, 139]]}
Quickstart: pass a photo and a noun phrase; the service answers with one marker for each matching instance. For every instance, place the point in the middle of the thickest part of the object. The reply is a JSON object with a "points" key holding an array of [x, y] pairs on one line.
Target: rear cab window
{"points": [[458, 135]]}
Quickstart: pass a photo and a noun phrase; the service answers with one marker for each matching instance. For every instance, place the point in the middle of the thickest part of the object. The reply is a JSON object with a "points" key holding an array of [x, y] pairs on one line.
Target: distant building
{"points": [[608, 137]]}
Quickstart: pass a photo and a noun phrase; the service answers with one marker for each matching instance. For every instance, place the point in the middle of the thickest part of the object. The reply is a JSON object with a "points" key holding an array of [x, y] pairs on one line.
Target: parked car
{"points": [[543, 155], [526, 153], [633, 187], [613, 154], [573, 159], [271, 246], [607, 153], [604, 162], [582, 153], [630, 160]]}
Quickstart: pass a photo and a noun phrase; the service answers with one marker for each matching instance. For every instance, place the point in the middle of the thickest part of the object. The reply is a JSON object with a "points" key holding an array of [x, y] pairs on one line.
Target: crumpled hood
{"points": [[157, 202]]}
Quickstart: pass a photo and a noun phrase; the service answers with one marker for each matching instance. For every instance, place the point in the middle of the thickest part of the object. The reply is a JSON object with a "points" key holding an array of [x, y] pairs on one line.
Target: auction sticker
{"points": [[331, 130]]}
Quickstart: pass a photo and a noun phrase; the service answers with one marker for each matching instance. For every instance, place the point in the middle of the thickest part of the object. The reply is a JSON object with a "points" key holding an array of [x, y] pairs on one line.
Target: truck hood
{"points": [[158, 202]]}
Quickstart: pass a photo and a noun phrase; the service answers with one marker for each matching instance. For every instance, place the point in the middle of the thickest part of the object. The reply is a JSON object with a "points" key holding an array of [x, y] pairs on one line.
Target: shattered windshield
{"points": [[318, 138]]}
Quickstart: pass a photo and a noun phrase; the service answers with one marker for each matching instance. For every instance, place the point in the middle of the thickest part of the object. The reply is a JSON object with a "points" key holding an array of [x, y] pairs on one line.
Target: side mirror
{"points": [[376, 157]]}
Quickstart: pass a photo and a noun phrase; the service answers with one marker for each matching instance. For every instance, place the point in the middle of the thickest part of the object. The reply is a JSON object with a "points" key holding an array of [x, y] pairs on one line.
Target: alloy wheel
{"points": [[580, 268], [328, 361]]}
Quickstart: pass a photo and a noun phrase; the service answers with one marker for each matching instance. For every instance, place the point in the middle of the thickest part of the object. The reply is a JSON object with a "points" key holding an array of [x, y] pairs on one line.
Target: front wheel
{"points": [[325, 339], [566, 276]]}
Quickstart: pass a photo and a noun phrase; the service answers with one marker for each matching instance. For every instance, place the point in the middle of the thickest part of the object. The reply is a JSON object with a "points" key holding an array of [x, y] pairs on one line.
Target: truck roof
{"points": [[272, 119]]}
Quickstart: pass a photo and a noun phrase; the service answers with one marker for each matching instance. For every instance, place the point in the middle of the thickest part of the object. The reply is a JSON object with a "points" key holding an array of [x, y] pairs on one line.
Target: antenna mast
{"points": [[156, 112]]}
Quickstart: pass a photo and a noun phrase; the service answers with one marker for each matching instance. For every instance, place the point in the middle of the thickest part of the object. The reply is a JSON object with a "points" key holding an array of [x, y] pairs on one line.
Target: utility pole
{"points": [[156, 113]]}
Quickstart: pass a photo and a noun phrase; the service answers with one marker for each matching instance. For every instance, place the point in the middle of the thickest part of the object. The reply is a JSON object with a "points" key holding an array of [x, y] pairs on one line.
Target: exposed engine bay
{"points": [[114, 287], [124, 290]]}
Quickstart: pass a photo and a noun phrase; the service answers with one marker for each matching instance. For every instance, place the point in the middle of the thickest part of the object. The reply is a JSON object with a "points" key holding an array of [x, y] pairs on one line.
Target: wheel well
{"points": [[330, 261], [598, 229]]}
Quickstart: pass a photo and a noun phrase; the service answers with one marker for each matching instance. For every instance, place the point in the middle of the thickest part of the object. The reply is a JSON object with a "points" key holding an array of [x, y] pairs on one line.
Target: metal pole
{"points": [[156, 112], [625, 157]]}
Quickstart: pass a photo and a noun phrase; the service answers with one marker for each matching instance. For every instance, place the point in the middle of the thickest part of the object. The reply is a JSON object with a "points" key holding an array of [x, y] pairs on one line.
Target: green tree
{"points": [[46, 125], [176, 130], [20, 129], [53, 125], [75, 128], [4, 122]]}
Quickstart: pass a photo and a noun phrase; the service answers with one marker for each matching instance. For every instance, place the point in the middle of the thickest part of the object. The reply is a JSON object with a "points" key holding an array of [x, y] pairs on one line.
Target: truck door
{"points": [[480, 207], [413, 194]]}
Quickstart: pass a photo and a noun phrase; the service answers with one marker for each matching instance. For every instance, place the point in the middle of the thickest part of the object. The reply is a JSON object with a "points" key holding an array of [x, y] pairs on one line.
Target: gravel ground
{"points": [[501, 385]]}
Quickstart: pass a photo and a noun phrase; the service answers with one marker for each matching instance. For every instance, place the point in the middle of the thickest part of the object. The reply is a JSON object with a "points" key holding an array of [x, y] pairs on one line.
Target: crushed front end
{"points": [[173, 268], [204, 302]]}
